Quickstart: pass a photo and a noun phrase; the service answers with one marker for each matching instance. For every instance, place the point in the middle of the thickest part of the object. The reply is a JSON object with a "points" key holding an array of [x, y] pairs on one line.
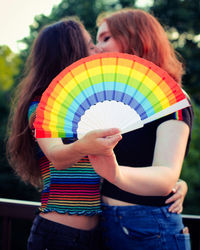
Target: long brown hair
{"points": [[139, 33], [57, 46]]}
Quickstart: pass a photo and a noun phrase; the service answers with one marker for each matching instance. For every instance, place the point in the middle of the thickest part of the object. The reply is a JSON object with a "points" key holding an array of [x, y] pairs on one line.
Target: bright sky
{"points": [[17, 15]]}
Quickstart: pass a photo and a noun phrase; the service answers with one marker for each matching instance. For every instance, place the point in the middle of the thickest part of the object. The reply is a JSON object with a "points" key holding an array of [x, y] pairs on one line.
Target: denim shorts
{"points": [[142, 227], [49, 235]]}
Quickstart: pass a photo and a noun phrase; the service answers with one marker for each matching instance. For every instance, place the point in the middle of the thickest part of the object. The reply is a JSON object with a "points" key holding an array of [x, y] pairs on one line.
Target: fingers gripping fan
{"points": [[104, 91]]}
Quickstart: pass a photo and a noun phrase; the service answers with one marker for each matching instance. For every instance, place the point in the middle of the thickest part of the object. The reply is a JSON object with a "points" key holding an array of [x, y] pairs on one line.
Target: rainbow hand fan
{"points": [[103, 91]]}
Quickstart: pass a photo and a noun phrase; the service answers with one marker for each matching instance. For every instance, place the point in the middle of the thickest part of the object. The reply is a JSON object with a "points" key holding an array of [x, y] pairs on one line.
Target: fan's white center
{"points": [[109, 114]]}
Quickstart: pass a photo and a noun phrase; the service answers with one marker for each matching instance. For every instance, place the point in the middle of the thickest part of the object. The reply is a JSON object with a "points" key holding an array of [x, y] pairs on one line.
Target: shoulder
{"points": [[185, 115]]}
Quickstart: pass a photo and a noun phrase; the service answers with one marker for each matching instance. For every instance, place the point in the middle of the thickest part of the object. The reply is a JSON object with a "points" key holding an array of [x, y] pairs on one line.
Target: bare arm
{"points": [[65, 155], [158, 179]]}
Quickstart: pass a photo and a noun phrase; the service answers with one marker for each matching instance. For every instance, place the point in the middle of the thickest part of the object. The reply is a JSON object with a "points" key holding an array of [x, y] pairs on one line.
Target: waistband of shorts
{"points": [[134, 210]]}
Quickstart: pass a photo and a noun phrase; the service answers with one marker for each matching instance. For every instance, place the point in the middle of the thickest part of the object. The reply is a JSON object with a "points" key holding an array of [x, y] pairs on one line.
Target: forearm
{"points": [[64, 156], [154, 180]]}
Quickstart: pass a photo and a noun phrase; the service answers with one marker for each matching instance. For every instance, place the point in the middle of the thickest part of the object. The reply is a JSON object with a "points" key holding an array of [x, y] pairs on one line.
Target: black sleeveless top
{"points": [[136, 149]]}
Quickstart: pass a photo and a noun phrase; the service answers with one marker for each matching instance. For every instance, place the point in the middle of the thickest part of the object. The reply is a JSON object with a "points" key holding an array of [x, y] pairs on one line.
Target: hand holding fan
{"points": [[103, 91]]}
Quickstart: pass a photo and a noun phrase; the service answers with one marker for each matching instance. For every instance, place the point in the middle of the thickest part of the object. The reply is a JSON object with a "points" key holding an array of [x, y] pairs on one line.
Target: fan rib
{"points": [[145, 75], [115, 77], [128, 79], [103, 82], [78, 85], [89, 78]]}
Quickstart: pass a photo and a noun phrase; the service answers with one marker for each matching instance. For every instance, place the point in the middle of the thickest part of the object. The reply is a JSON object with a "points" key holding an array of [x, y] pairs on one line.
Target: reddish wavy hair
{"points": [[139, 33]]}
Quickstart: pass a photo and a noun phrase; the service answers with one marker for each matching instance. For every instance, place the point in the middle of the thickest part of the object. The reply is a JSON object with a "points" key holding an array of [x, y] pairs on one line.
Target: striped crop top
{"points": [[75, 190]]}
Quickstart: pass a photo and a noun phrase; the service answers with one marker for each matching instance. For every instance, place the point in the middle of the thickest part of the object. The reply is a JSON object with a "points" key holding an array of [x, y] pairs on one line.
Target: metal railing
{"points": [[18, 209], [14, 209]]}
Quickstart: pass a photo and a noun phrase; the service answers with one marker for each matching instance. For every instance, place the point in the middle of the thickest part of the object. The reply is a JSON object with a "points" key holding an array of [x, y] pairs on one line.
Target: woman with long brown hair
{"points": [[146, 163], [69, 209]]}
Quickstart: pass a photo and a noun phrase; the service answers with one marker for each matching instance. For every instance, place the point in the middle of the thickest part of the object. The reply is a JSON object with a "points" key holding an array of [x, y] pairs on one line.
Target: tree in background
{"points": [[191, 169], [10, 185], [9, 66], [181, 20]]}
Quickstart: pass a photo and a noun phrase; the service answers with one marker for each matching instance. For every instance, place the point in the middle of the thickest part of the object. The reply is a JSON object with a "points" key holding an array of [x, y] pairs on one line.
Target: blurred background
{"points": [[181, 20]]}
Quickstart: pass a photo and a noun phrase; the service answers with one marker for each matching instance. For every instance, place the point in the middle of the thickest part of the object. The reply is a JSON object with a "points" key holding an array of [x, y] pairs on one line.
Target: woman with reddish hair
{"points": [[145, 165]]}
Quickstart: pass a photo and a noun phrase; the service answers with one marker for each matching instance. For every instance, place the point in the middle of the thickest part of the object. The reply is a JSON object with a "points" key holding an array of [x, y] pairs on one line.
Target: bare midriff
{"points": [[82, 222]]}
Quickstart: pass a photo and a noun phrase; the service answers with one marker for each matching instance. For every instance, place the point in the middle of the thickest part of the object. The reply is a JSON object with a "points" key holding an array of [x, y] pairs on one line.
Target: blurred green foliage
{"points": [[180, 19], [9, 66], [191, 168]]}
